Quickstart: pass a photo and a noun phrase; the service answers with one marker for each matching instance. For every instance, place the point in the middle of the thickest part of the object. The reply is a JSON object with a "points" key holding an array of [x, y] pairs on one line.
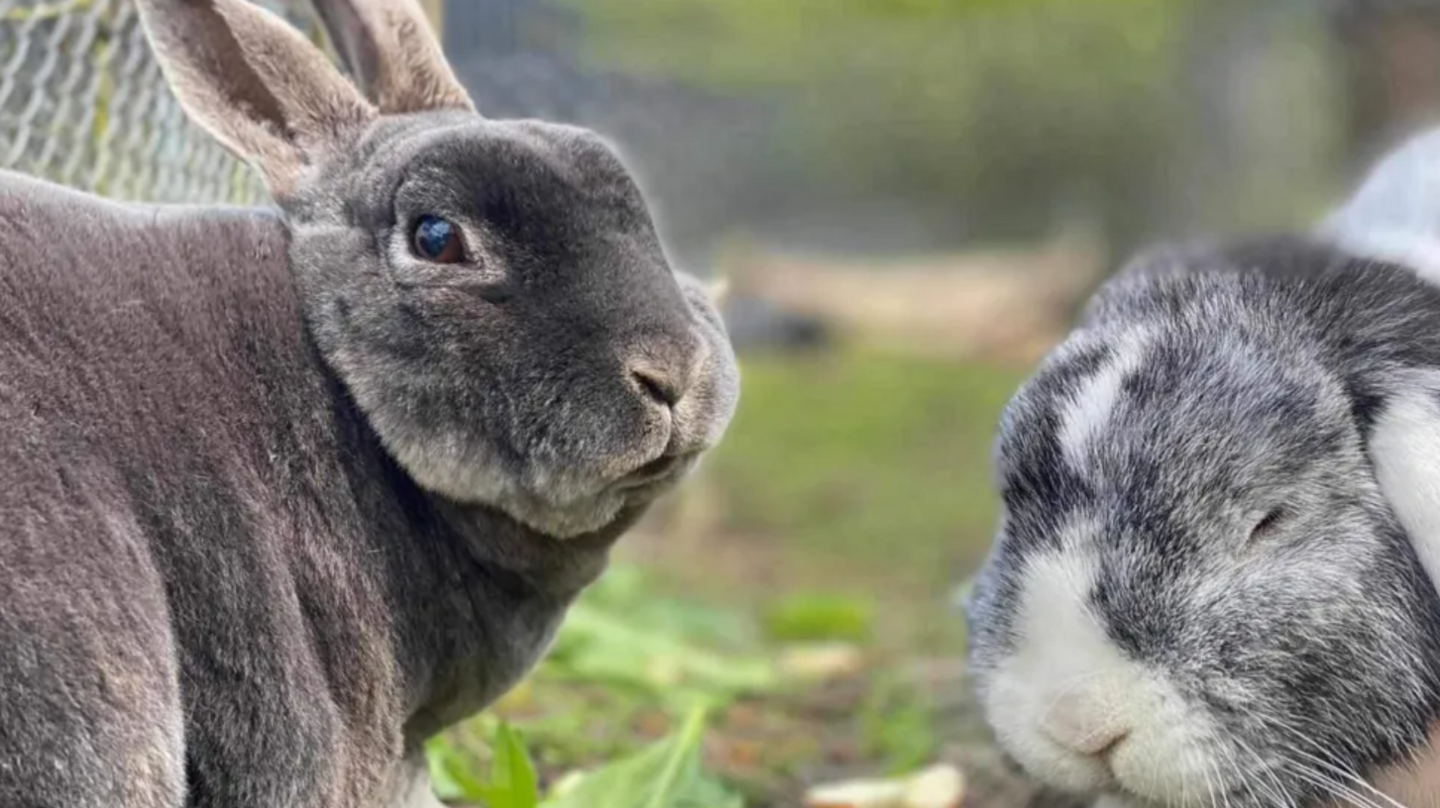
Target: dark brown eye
{"points": [[436, 239], [1268, 523]]}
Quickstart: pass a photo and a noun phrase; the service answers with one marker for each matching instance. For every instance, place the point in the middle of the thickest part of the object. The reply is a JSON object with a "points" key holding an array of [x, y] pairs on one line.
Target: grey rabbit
{"points": [[284, 492], [1214, 577]]}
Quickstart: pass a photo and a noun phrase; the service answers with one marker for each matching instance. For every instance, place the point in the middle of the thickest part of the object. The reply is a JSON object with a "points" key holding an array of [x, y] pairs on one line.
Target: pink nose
{"points": [[1084, 725]]}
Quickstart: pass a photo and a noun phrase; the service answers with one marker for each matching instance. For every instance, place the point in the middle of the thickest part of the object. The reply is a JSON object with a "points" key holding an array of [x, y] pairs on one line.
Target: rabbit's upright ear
{"points": [[388, 47], [255, 84]]}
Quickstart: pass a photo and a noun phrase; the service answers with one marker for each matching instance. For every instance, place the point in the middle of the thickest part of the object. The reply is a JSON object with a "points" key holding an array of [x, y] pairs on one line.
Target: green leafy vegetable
{"points": [[512, 782], [665, 775]]}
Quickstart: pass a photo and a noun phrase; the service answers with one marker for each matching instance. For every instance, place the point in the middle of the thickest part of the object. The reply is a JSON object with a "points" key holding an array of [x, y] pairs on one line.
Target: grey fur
{"points": [[278, 501], [1263, 368]]}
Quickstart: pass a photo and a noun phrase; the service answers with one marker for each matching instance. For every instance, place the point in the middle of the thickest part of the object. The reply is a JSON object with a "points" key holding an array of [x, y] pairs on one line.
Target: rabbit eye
{"points": [[1268, 523], [436, 239]]}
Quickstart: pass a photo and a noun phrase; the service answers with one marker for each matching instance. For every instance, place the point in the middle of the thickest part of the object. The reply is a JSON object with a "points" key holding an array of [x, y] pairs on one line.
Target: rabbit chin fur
{"points": [[1141, 628]]}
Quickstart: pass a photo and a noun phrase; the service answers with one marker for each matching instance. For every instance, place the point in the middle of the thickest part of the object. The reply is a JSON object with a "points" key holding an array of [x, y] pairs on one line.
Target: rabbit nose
{"points": [[665, 372], [663, 388], [1084, 725]]}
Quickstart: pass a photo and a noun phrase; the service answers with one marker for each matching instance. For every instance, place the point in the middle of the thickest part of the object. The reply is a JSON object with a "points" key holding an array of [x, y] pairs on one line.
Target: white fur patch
{"points": [[1089, 410], [1405, 448], [1068, 692]]}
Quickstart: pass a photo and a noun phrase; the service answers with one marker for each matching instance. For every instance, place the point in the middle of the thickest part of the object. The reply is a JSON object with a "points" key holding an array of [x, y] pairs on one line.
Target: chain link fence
{"points": [[82, 102]]}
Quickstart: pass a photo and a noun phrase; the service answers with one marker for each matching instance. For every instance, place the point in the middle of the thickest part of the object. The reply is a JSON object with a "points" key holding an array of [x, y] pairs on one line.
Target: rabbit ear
{"points": [[388, 47], [1402, 447], [252, 81]]}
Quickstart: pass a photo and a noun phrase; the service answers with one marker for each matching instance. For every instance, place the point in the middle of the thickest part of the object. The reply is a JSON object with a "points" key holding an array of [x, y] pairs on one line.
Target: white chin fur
{"points": [[1067, 685]]}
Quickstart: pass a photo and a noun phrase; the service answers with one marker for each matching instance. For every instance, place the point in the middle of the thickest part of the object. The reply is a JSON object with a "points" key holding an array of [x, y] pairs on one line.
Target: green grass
{"points": [[873, 459], [814, 617]]}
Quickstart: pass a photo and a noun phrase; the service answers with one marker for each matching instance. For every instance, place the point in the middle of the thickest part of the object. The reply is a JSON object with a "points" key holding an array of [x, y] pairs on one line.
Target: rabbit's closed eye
{"points": [[1269, 523]]}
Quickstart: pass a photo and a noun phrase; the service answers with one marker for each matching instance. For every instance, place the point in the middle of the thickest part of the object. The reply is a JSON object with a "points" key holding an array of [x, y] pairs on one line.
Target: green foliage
{"points": [[667, 774], [626, 657], [679, 653], [765, 43], [512, 782], [984, 106], [800, 616]]}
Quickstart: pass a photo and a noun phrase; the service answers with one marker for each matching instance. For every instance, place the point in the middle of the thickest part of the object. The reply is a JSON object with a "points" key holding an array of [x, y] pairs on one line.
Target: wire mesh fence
{"points": [[82, 102]]}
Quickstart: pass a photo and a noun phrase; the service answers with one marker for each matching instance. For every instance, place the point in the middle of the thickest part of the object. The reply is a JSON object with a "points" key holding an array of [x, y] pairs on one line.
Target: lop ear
{"points": [[254, 83], [389, 49]]}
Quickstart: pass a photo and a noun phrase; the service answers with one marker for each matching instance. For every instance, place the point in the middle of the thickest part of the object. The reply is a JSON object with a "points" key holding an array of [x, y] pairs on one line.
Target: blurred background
{"points": [[909, 199]]}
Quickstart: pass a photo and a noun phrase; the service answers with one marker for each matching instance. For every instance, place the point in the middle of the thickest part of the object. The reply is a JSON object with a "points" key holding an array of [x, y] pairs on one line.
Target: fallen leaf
{"points": [[821, 661], [858, 794], [941, 786]]}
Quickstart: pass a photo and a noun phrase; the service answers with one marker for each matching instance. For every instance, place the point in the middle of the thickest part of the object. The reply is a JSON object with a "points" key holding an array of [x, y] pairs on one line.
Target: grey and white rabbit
{"points": [[284, 492], [1214, 577]]}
